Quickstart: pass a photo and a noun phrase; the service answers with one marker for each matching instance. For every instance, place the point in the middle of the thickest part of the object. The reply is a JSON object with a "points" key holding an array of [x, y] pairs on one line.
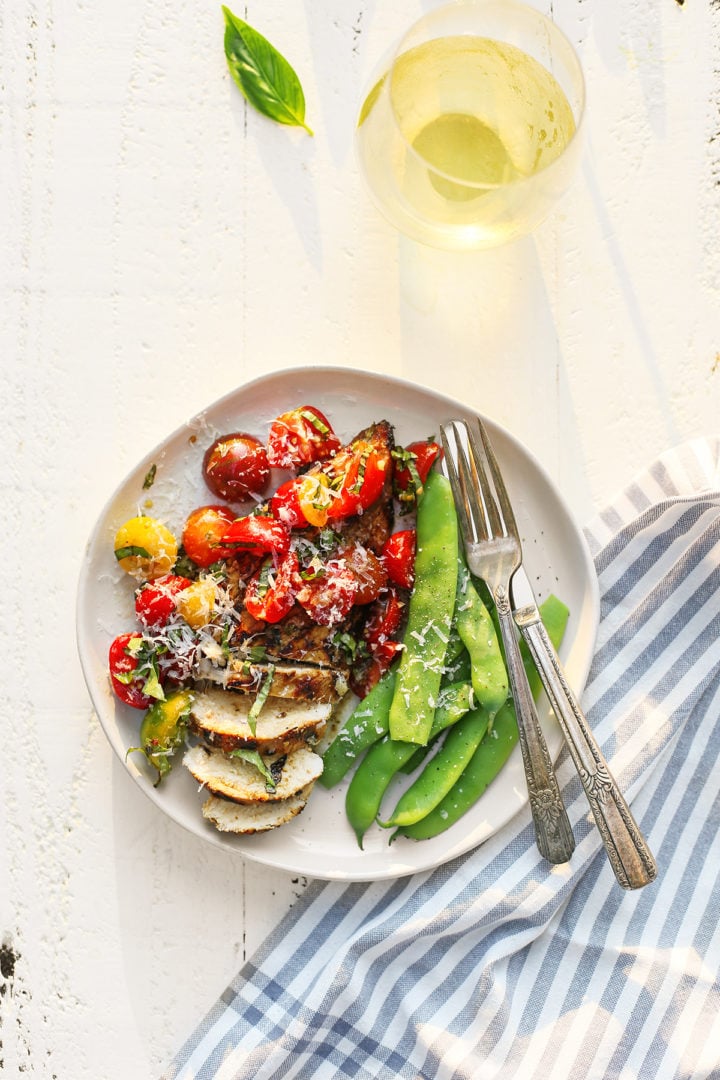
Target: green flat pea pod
{"points": [[458, 669], [430, 613], [367, 723], [442, 772], [163, 729], [385, 758], [482, 768], [477, 632], [496, 747]]}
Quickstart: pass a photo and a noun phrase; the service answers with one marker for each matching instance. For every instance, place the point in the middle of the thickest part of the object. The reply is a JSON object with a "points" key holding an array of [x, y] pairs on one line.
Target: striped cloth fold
{"points": [[495, 965]]}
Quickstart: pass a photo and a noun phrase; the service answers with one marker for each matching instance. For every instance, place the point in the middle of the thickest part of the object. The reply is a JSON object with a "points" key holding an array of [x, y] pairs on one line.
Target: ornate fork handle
{"points": [[553, 832], [629, 855]]}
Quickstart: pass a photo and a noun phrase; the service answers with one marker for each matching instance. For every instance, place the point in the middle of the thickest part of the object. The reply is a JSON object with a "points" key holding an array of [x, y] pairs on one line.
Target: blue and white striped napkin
{"points": [[495, 965]]}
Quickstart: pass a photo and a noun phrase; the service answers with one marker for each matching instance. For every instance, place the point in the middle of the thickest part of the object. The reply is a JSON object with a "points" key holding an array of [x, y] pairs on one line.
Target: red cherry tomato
{"points": [[329, 594], [155, 602], [203, 533], [369, 670], [412, 466], [358, 476], [269, 595], [398, 556], [370, 574], [128, 687], [236, 466], [300, 437], [286, 507], [259, 534]]}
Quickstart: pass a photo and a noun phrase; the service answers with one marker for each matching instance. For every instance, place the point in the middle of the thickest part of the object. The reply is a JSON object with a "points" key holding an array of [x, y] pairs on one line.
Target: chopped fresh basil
{"points": [[263, 75], [131, 549], [262, 696], [315, 421], [253, 757]]}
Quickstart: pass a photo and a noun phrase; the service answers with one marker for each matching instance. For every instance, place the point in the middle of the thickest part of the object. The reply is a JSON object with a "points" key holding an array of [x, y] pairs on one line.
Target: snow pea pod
{"points": [[496, 747], [385, 758], [478, 634], [367, 723], [430, 613], [484, 765], [442, 772]]}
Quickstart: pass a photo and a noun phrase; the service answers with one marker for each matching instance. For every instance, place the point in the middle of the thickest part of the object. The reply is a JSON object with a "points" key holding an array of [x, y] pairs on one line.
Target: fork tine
{"points": [[458, 485], [506, 509], [496, 524]]}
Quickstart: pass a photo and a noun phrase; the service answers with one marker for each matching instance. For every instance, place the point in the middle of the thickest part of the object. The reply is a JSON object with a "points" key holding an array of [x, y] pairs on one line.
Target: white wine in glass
{"points": [[468, 140]]}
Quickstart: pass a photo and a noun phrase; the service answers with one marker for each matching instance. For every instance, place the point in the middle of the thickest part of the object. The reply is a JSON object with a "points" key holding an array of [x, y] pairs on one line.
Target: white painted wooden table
{"points": [[161, 244]]}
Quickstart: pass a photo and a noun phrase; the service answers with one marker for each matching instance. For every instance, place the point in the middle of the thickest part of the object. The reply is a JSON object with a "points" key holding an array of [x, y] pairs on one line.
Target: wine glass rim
{"points": [[552, 27]]}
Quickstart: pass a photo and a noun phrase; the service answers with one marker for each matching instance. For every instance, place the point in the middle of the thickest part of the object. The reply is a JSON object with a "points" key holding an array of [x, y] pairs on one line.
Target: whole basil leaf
{"points": [[263, 75]]}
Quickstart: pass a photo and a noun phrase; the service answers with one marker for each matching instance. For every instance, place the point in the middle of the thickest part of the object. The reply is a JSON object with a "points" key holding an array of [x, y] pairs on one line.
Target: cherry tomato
{"points": [[156, 601], [412, 466], [329, 594], [286, 507], [145, 548], [204, 530], [398, 556], [370, 574], [358, 476], [259, 534], [300, 437], [122, 663], [236, 466], [368, 671], [385, 619], [269, 595]]}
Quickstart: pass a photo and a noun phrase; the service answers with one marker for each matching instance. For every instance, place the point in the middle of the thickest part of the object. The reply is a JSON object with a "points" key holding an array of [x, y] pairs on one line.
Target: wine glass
{"points": [[469, 131]]}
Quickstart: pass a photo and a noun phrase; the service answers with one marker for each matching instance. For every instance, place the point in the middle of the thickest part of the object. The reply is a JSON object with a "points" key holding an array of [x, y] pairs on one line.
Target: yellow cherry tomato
{"points": [[145, 548], [196, 604], [314, 496]]}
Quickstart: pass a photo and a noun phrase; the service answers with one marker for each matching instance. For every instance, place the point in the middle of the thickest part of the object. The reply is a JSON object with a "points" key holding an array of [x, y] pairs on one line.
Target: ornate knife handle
{"points": [[553, 831], [629, 855]]}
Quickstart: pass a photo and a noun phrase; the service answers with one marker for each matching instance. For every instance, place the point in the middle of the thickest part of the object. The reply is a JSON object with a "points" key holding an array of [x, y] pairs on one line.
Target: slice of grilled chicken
{"points": [[220, 718], [232, 817], [297, 682], [239, 780]]}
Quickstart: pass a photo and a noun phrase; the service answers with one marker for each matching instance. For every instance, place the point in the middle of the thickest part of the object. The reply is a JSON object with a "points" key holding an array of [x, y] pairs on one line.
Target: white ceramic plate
{"points": [[319, 843]]}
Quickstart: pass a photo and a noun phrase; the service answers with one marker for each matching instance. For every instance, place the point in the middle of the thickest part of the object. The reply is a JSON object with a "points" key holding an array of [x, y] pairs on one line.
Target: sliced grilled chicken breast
{"points": [[233, 817], [297, 682], [235, 779], [220, 717]]}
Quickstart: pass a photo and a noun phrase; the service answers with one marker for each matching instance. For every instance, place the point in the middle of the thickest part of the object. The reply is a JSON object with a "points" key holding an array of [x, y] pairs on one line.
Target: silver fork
{"points": [[493, 554], [630, 857]]}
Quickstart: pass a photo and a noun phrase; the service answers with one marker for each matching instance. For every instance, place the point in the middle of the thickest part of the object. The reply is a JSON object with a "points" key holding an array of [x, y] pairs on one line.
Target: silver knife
{"points": [[628, 852]]}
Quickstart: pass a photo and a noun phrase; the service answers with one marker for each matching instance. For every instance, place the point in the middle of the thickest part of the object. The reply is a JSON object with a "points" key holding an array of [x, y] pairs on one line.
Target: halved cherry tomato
{"points": [[157, 601], [285, 505], [358, 477], [398, 556], [370, 573], [203, 533], [269, 595], [326, 593], [236, 466], [259, 534], [412, 465], [385, 619], [367, 671], [300, 437], [129, 687], [315, 498]]}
